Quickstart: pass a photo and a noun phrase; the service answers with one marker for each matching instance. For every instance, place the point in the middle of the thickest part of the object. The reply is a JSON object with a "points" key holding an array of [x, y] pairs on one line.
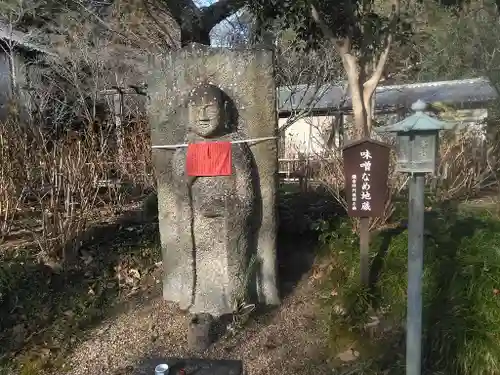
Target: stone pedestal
{"points": [[200, 333]]}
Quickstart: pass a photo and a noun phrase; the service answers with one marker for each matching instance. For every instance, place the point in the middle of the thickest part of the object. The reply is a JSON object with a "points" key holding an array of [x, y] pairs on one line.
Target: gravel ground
{"points": [[286, 340]]}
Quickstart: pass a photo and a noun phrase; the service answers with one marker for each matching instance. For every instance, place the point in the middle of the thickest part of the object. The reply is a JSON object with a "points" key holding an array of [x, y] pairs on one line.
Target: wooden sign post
{"points": [[366, 169]]}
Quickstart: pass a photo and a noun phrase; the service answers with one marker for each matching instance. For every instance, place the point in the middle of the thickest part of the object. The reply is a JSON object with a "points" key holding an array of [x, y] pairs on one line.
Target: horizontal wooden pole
{"points": [[124, 91]]}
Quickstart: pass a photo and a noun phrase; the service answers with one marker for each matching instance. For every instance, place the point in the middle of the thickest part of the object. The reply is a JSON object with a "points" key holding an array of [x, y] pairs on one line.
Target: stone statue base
{"points": [[200, 333]]}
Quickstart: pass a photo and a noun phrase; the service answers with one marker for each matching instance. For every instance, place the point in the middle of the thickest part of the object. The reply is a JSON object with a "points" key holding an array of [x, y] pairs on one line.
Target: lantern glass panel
{"points": [[424, 152], [403, 151]]}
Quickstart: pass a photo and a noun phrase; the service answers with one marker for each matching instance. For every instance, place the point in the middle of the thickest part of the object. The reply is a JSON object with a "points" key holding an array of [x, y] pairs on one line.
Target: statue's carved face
{"points": [[206, 111]]}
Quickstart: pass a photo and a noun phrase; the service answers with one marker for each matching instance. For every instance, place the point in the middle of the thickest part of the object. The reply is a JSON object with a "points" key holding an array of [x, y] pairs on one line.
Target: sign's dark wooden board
{"points": [[366, 169]]}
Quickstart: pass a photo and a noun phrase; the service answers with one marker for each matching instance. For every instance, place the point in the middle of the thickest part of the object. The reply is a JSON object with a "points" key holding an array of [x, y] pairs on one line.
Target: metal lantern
{"points": [[417, 141]]}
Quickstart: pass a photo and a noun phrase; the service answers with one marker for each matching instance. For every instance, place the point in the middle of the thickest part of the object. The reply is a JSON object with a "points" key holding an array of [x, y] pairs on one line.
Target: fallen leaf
{"points": [[44, 352], [348, 356], [87, 260], [135, 273]]}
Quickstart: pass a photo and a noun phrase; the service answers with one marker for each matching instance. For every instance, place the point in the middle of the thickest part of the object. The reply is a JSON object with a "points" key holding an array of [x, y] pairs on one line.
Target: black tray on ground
{"points": [[193, 366]]}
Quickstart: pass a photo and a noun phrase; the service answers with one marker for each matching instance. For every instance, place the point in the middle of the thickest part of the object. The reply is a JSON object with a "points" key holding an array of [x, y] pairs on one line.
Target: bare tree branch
{"points": [[219, 11], [182, 10], [101, 21], [189, 18], [371, 83], [163, 30], [342, 45]]}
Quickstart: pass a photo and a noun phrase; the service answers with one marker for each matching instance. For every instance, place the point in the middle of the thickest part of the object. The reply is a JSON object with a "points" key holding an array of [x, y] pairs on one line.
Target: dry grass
{"points": [[53, 190], [467, 167], [50, 189], [60, 198]]}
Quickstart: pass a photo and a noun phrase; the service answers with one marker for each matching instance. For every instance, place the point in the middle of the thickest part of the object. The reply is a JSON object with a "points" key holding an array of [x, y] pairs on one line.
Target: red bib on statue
{"points": [[209, 159]]}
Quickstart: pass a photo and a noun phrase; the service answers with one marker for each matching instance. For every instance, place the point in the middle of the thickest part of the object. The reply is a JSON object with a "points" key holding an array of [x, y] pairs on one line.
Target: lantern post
{"points": [[417, 147]]}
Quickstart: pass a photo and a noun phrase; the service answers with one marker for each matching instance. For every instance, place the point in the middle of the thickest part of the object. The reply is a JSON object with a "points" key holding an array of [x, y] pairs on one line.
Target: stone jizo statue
{"points": [[214, 218]]}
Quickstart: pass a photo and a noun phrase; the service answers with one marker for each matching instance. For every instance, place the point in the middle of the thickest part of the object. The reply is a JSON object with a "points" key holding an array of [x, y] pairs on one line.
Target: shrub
{"points": [[53, 189], [467, 168], [461, 295]]}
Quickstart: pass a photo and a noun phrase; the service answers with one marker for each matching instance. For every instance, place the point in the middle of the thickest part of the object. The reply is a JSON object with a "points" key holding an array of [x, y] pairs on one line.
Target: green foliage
{"points": [[458, 45], [363, 22], [301, 212], [461, 298]]}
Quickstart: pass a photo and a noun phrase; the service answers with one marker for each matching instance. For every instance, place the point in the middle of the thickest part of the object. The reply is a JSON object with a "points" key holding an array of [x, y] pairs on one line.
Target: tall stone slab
{"points": [[246, 76]]}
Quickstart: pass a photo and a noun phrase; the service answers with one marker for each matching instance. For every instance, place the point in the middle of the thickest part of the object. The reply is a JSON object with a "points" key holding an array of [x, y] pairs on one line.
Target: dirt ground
{"points": [[288, 340], [285, 341], [107, 315]]}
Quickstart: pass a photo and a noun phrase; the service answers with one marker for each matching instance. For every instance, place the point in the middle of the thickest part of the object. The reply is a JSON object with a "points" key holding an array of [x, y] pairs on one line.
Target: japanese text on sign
{"points": [[354, 187], [365, 180], [366, 196]]}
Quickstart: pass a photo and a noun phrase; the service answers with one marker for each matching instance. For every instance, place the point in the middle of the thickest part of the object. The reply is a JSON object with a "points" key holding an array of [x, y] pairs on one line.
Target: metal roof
{"points": [[461, 93]]}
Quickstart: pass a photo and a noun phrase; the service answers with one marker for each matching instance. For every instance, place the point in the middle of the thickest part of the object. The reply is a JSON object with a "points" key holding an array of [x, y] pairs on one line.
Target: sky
{"points": [[204, 2], [220, 28]]}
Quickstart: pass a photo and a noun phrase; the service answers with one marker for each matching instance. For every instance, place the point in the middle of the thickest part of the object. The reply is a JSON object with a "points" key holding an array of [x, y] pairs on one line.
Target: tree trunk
{"points": [[360, 120], [359, 108], [195, 23], [195, 34], [12, 74]]}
